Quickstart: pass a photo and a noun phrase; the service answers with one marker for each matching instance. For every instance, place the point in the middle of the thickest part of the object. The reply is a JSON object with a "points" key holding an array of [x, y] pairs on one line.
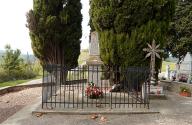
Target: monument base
{"points": [[156, 92]]}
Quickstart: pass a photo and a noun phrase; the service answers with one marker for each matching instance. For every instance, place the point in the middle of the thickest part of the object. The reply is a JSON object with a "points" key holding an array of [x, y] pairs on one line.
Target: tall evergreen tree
{"points": [[125, 26], [180, 40], [55, 31]]}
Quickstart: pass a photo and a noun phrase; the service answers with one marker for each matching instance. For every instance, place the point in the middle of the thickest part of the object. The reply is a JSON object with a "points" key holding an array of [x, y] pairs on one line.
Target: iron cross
{"points": [[153, 51]]}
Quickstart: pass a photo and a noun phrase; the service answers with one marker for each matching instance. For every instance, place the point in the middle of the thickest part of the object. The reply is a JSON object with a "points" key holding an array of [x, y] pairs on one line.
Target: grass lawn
{"points": [[171, 64], [16, 82]]}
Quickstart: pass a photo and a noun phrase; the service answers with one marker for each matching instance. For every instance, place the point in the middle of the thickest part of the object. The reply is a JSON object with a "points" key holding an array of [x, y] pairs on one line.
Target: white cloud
{"points": [[13, 20]]}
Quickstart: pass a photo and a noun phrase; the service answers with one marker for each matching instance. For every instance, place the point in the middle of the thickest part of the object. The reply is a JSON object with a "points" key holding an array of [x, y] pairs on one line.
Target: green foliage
{"points": [[13, 66], [83, 56], [11, 60], [16, 82], [184, 89], [55, 31], [171, 64], [37, 68], [125, 26], [180, 40]]}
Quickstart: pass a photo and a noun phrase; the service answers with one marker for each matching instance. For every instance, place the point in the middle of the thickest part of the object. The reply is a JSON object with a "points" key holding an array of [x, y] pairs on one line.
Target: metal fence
{"points": [[95, 86]]}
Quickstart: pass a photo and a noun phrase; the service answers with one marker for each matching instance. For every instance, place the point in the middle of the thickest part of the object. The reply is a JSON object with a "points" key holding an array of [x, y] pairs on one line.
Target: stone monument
{"points": [[186, 67], [94, 62]]}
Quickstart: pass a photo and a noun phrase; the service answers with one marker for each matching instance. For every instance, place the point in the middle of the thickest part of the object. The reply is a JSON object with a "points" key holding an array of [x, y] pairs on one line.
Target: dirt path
{"points": [[10, 103]]}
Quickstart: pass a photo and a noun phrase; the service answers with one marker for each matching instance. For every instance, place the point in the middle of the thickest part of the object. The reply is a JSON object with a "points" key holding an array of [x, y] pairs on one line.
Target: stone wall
{"points": [[174, 86]]}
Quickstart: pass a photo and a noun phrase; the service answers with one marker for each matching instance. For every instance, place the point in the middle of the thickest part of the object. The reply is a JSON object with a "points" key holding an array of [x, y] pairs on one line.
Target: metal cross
{"points": [[153, 51]]}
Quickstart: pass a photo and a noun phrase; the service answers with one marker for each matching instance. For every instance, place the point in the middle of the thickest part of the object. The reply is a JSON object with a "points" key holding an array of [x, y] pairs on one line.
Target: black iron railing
{"points": [[95, 86]]}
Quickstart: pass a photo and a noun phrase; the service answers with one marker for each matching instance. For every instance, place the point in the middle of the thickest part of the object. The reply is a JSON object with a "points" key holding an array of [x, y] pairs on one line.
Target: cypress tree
{"points": [[125, 26], [55, 31]]}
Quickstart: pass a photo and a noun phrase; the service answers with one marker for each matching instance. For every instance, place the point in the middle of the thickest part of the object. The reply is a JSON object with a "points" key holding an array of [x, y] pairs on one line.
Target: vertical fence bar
{"points": [[128, 85], [64, 82], [106, 87], [88, 83], [101, 80], [119, 82], [124, 82], [132, 80], [42, 90], [68, 87], [71, 84], [78, 78], [148, 93], [96, 68], [48, 84], [92, 82], [137, 81], [51, 85], [60, 86], [55, 79], [83, 85], [111, 93], [142, 71]]}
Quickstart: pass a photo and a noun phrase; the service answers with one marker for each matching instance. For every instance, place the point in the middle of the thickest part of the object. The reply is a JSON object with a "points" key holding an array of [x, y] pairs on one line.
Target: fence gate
{"points": [[95, 86]]}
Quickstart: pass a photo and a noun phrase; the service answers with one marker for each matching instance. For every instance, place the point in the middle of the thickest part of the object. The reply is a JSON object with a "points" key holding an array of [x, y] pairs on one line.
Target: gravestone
{"points": [[94, 62], [186, 66]]}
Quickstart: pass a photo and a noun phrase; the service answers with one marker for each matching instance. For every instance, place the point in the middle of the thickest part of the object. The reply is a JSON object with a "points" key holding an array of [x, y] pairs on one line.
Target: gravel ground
{"points": [[176, 110], [12, 102]]}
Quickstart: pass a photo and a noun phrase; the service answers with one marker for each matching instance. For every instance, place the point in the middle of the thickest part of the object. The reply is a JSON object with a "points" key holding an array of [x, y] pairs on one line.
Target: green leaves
{"points": [[180, 30], [11, 59], [125, 26], [55, 31]]}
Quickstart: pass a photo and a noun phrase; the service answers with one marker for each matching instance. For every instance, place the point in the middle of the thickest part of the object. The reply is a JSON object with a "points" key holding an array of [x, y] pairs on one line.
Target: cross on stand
{"points": [[153, 51]]}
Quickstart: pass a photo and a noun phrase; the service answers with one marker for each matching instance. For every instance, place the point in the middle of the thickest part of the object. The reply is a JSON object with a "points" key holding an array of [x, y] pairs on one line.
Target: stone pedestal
{"points": [[94, 74], [154, 91]]}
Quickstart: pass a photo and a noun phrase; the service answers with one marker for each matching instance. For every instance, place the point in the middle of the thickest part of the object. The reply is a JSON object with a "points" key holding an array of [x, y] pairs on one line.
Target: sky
{"points": [[13, 19]]}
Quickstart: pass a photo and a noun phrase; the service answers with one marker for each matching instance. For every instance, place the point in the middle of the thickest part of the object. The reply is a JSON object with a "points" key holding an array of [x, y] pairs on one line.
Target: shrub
{"points": [[13, 66], [185, 89], [4, 76], [16, 75]]}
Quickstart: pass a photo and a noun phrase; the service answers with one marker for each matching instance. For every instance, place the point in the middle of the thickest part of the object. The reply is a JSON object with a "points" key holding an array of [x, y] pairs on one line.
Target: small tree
{"points": [[11, 60]]}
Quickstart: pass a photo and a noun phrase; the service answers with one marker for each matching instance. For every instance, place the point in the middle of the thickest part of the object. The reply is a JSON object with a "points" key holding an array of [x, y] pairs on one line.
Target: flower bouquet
{"points": [[93, 92]]}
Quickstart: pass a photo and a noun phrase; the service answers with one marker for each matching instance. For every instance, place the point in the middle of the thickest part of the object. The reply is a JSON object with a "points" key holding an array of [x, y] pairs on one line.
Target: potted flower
{"points": [[184, 91], [93, 92]]}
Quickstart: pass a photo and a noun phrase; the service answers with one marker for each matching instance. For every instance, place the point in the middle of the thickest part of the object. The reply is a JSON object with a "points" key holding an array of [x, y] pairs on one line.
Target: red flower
{"points": [[93, 91]]}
